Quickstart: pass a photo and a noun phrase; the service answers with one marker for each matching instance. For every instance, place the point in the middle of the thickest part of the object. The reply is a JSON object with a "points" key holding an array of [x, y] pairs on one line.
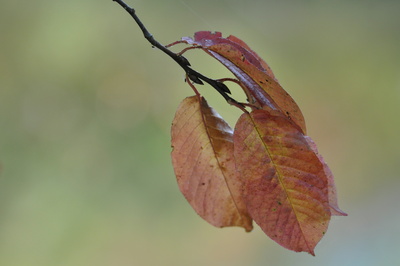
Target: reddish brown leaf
{"points": [[207, 39], [259, 83], [285, 185], [204, 166], [333, 201]]}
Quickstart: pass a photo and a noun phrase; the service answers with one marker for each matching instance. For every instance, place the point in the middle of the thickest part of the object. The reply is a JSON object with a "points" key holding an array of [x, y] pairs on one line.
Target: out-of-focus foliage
{"points": [[85, 111]]}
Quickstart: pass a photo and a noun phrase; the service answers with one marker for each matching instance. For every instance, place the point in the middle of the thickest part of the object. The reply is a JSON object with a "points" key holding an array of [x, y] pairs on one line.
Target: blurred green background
{"points": [[85, 113]]}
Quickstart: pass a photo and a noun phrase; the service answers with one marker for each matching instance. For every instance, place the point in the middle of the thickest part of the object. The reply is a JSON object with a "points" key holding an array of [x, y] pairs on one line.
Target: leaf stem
{"points": [[192, 74]]}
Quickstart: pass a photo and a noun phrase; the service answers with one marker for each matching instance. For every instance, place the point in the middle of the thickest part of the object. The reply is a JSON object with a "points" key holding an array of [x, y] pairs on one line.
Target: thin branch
{"points": [[192, 74]]}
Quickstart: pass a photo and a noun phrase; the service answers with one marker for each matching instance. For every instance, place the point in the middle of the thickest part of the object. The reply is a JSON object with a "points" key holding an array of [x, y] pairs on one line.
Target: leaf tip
{"points": [[248, 228], [336, 211]]}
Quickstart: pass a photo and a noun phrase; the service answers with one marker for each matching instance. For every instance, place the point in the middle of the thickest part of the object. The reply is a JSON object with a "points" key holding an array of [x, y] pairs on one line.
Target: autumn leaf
{"points": [[332, 194], [204, 166], [267, 170], [259, 83], [206, 39], [285, 186]]}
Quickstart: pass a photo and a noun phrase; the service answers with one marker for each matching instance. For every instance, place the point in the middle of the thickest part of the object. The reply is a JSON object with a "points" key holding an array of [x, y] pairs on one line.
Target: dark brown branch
{"points": [[193, 75]]}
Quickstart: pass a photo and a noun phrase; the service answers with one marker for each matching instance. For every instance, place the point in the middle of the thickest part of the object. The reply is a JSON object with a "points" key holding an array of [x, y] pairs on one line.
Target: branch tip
{"points": [[191, 74]]}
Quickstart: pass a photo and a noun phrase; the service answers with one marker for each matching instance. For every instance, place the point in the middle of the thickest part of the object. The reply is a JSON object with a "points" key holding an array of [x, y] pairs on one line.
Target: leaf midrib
{"points": [[279, 176]]}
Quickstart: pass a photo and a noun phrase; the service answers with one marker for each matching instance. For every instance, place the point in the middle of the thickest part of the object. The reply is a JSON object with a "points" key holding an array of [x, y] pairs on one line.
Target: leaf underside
{"points": [[332, 195], [204, 166]]}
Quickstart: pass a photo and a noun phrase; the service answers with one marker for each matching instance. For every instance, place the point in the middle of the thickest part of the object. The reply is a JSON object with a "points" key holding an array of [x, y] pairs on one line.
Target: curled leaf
{"points": [[285, 186], [259, 83], [207, 39], [204, 165]]}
